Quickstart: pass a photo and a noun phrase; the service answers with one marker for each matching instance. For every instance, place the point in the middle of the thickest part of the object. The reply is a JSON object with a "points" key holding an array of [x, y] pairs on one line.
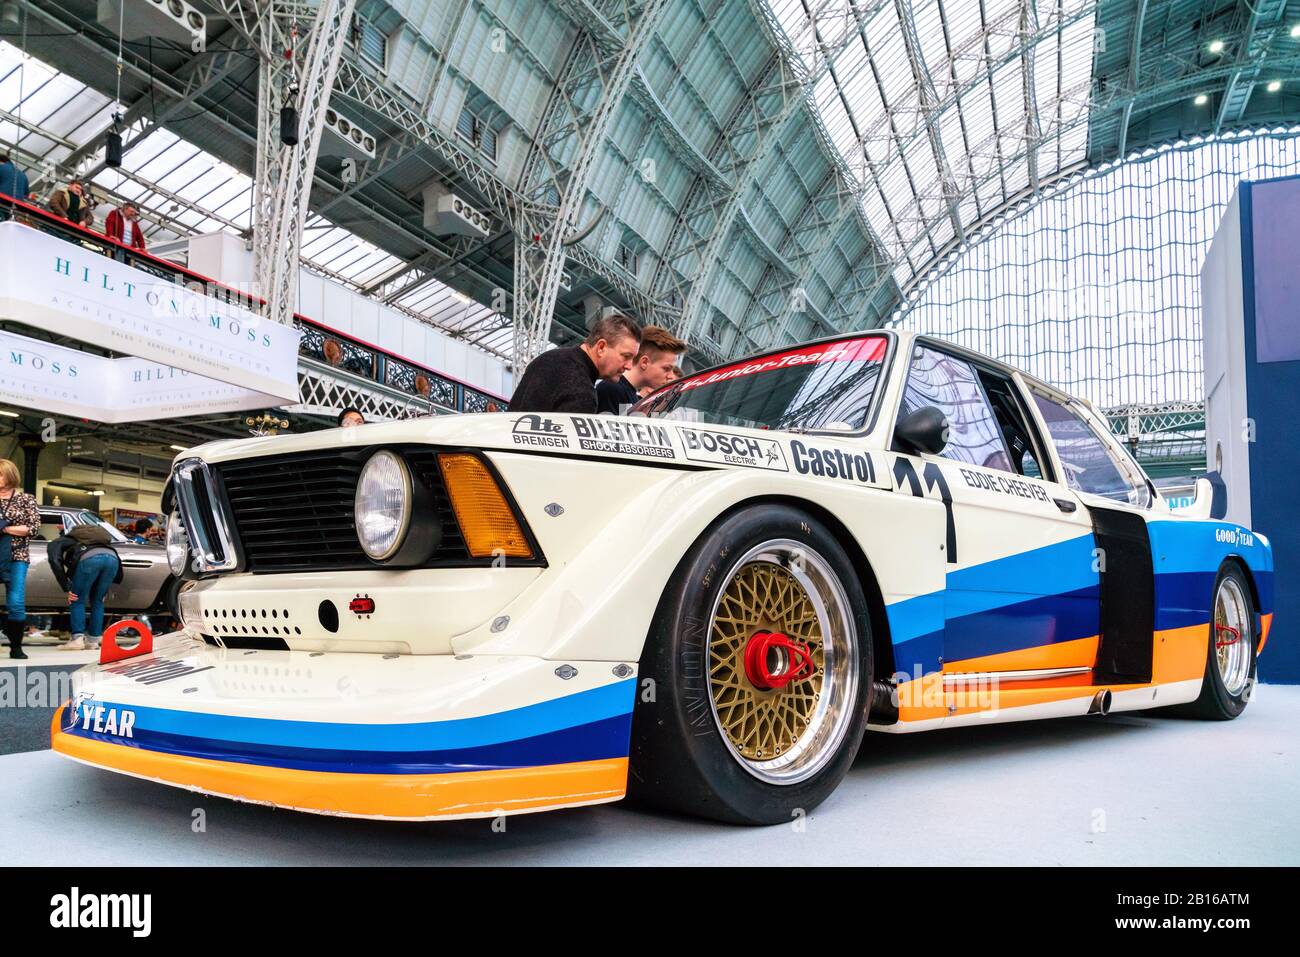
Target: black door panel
{"points": [[1127, 597]]}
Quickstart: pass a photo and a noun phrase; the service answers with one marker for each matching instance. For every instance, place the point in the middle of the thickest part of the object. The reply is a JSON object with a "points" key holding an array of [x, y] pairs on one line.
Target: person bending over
{"points": [[563, 380], [86, 566], [652, 368]]}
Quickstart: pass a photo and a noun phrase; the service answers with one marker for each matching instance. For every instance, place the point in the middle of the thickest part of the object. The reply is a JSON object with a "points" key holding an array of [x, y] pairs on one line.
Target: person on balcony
{"points": [[67, 201], [13, 181], [115, 226]]}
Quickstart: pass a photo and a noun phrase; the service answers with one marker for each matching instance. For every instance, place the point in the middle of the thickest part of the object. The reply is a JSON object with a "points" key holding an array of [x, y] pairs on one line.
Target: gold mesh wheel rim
{"points": [[761, 724], [783, 735]]}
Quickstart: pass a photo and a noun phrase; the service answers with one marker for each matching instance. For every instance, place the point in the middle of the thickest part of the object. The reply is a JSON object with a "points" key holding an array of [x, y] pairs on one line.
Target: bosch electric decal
{"points": [[725, 449], [611, 434]]}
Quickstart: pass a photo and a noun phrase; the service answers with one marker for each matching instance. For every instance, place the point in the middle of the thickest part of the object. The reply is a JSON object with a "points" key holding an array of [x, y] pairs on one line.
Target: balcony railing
{"points": [[319, 341]]}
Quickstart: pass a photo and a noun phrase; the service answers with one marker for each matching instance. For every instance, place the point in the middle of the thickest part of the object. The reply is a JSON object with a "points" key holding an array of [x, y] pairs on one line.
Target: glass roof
{"points": [[183, 190], [945, 110]]}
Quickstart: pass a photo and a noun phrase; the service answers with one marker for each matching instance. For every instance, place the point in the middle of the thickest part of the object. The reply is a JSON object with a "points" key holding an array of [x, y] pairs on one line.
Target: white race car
{"points": [[705, 603]]}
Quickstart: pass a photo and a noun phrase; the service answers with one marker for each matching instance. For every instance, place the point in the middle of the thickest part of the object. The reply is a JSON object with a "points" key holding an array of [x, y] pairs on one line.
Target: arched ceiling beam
{"points": [[1033, 130], [702, 233], [1170, 92], [1134, 73], [561, 163], [929, 102], [1262, 21]]}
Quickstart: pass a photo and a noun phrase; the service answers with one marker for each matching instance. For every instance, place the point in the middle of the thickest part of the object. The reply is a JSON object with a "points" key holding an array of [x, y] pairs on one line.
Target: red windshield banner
{"points": [[870, 349]]}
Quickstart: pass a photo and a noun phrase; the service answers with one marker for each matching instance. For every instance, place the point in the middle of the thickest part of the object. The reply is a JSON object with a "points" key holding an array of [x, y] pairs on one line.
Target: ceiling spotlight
{"points": [[1295, 32], [1216, 46], [1201, 99], [1274, 86], [178, 448]]}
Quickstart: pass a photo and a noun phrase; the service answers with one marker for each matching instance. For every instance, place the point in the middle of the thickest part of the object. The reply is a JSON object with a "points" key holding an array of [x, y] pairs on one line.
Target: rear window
{"points": [[829, 386]]}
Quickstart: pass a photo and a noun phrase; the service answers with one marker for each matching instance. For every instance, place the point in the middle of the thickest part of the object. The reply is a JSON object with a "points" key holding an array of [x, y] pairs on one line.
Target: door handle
{"points": [[1065, 504]]}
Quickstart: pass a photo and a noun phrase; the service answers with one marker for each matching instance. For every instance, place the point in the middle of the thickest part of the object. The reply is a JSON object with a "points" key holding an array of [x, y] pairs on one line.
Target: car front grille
{"points": [[295, 512]]}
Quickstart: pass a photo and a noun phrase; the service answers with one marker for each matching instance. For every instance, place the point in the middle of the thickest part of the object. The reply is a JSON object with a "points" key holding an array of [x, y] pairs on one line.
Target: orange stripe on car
{"points": [[416, 796]]}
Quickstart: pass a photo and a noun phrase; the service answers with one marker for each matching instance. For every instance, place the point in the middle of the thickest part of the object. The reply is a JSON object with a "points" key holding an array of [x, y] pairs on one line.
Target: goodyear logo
{"points": [[119, 722]]}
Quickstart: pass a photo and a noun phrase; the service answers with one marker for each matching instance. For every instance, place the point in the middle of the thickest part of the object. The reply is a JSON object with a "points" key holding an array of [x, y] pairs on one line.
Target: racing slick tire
{"points": [[1230, 659], [756, 676]]}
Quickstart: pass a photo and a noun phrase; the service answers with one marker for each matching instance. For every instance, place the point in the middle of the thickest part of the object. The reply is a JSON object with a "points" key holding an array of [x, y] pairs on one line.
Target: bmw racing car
{"points": [[705, 603]]}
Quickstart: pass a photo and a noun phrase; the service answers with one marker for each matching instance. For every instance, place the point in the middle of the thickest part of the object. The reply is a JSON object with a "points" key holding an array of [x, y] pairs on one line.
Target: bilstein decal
{"points": [[726, 449], [832, 463], [534, 429], [626, 436]]}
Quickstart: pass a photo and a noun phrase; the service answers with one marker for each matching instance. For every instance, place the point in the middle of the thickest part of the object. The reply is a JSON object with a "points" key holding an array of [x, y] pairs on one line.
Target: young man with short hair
{"points": [[563, 380], [652, 369]]}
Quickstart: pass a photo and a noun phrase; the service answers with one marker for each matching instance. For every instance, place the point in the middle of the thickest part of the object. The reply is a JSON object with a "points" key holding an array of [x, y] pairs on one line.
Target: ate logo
{"points": [[534, 429]]}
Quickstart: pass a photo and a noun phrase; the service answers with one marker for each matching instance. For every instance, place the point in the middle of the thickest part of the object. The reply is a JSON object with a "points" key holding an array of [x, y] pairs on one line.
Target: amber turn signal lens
{"points": [[485, 518]]}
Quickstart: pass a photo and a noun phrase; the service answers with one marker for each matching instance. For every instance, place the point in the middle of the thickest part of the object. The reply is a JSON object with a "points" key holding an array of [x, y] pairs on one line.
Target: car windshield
{"points": [[826, 386], [85, 517]]}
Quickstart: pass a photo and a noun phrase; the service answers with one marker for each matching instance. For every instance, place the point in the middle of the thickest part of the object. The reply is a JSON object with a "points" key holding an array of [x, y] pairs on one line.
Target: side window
{"points": [[1024, 445], [1089, 463], [951, 385], [51, 528]]}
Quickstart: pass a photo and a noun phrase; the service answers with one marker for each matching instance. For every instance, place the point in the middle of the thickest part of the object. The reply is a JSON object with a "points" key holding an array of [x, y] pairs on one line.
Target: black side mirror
{"points": [[925, 430]]}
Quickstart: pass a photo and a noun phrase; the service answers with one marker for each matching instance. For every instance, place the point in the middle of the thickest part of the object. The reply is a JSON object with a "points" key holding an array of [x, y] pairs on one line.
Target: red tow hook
{"points": [[774, 660], [1236, 636]]}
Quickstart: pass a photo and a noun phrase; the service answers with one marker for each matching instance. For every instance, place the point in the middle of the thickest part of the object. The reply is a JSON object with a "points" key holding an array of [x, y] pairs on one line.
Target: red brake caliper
{"points": [[794, 660], [1236, 636]]}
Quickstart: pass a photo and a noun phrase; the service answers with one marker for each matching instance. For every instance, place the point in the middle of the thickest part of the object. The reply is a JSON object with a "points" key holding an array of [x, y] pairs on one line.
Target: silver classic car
{"points": [[147, 584]]}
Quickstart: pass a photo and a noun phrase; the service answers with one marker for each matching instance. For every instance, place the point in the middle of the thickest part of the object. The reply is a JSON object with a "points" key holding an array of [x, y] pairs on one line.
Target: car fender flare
{"points": [[582, 609]]}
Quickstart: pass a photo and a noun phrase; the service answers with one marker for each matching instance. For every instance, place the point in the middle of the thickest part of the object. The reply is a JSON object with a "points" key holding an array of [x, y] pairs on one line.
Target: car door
{"points": [[1021, 590], [1117, 497]]}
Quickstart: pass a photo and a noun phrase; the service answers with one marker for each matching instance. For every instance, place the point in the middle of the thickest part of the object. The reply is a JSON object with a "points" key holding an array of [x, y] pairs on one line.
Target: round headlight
{"points": [[178, 544], [383, 505]]}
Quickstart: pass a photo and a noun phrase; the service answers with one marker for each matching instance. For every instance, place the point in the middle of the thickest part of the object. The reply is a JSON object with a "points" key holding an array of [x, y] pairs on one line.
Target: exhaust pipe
{"points": [[1100, 702], [884, 707]]}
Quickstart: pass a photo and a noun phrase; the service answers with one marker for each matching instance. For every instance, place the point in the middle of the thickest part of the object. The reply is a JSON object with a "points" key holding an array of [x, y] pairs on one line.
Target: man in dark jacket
{"points": [[564, 380], [86, 566]]}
